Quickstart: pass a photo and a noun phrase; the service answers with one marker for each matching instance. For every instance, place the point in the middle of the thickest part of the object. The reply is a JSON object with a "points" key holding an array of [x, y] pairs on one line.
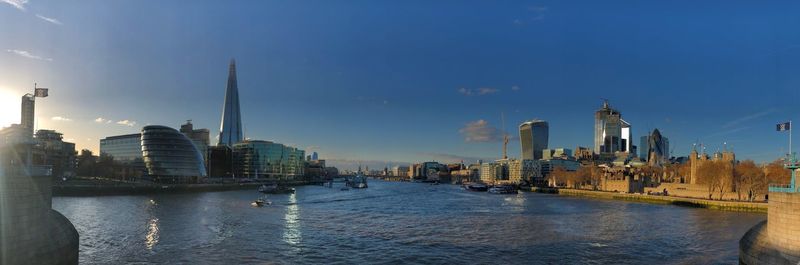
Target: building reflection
{"points": [[291, 232], [152, 236]]}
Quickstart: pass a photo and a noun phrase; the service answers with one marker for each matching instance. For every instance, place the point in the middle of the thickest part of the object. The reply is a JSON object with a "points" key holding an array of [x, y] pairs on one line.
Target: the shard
{"points": [[230, 129]]}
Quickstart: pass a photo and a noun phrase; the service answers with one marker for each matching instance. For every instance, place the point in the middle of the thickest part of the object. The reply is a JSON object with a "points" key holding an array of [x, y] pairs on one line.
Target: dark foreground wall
{"points": [[30, 231]]}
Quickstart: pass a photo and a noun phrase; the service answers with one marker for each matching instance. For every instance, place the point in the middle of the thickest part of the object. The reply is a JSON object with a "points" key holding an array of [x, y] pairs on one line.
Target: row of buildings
{"points": [[163, 154], [613, 148]]}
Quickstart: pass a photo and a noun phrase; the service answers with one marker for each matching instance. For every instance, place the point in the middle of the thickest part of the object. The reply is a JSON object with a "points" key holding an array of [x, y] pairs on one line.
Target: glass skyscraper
{"points": [[608, 130], [230, 130], [533, 135]]}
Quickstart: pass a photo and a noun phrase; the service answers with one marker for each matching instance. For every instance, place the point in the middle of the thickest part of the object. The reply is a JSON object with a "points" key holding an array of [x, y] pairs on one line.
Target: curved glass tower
{"points": [[230, 129], [169, 154]]}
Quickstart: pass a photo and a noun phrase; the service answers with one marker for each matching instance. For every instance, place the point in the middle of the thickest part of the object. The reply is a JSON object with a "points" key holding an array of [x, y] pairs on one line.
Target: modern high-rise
{"points": [[654, 148], [314, 156], [27, 114], [230, 130], [533, 135], [608, 126]]}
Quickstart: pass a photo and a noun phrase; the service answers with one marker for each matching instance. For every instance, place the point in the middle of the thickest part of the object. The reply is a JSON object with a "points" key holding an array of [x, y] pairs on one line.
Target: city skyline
{"points": [[375, 92]]}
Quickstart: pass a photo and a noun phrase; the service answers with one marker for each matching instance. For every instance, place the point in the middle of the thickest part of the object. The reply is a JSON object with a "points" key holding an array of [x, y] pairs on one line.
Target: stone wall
{"points": [[777, 240], [699, 191], [30, 231], [783, 222]]}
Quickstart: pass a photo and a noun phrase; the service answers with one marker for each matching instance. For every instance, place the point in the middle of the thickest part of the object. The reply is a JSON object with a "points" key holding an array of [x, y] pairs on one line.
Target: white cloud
{"points": [[480, 91], [487, 90], [27, 54], [102, 120], [126, 123], [48, 19], [19, 4], [59, 118], [480, 131], [515, 88]]}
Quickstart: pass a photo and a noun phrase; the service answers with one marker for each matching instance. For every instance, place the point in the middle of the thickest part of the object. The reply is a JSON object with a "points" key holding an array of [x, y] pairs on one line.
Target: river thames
{"points": [[394, 222]]}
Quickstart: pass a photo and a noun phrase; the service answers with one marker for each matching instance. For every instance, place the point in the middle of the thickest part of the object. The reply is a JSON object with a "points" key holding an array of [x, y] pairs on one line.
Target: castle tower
{"points": [[693, 165]]}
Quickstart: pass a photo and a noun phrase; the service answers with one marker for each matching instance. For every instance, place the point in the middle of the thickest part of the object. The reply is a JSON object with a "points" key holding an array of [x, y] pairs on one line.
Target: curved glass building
{"points": [[170, 155]]}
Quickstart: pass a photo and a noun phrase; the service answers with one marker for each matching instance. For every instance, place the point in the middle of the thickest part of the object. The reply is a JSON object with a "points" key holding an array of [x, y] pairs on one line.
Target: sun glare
{"points": [[9, 108]]}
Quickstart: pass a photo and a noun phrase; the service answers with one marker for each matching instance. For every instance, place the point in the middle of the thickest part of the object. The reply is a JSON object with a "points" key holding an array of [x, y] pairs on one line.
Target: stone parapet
{"points": [[30, 231]]}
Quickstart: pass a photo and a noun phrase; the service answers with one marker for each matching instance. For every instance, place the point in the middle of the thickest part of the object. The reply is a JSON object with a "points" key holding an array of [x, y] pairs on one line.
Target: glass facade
{"points": [[230, 130], [607, 130], [534, 137], [124, 148], [265, 159], [168, 153]]}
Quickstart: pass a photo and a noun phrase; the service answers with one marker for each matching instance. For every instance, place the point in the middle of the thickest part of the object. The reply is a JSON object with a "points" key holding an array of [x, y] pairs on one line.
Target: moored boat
{"points": [[476, 187], [503, 189]]}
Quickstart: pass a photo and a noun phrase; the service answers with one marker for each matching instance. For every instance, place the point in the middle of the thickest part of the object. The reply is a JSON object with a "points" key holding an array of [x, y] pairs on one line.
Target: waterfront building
{"points": [[170, 156], [492, 172], [608, 126], [524, 171], [220, 161], [50, 149], [123, 148], [548, 166], [265, 159], [230, 130], [534, 137], [315, 169], [654, 148], [400, 171], [314, 156], [200, 137]]}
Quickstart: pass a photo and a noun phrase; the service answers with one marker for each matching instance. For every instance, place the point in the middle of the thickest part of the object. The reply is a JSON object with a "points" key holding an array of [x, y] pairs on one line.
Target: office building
{"points": [[314, 156], [170, 156], [533, 136], [654, 148], [608, 125], [123, 148], [220, 161], [230, 130], [198, 136], [265, 159], [50, 149]]}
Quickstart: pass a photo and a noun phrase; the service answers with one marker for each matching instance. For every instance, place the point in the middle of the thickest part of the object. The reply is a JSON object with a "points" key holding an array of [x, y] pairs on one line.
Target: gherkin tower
{"points": [[230, 129]]}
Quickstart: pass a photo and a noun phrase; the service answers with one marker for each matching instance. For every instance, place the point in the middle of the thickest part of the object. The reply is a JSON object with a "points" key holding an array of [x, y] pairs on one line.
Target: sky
{"points": [[390, 82]]}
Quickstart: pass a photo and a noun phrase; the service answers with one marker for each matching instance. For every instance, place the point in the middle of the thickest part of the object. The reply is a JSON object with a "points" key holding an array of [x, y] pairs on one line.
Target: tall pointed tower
{"points": [[230, 129]]}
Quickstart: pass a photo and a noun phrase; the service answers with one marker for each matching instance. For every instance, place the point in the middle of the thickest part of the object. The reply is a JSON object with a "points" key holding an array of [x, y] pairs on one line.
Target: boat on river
{"points": [[357, 182], [275, 189], [503, 189], [260, 202], [476, 187]]}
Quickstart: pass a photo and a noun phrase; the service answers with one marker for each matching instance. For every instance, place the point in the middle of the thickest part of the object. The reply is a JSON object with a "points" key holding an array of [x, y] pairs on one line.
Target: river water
{"points": [[392, 222]]}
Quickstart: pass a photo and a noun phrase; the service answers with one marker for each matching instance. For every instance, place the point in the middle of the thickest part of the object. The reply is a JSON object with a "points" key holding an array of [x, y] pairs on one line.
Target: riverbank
{"points": [[74, 190], [734, 206]]}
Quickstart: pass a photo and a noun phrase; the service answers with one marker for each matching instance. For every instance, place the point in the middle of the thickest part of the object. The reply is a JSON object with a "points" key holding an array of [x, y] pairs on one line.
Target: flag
{"points": [[40, 92], [784, 126]]}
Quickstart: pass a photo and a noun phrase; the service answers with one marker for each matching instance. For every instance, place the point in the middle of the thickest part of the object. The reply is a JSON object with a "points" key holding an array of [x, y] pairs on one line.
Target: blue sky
{"points": [[406, 81]]}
